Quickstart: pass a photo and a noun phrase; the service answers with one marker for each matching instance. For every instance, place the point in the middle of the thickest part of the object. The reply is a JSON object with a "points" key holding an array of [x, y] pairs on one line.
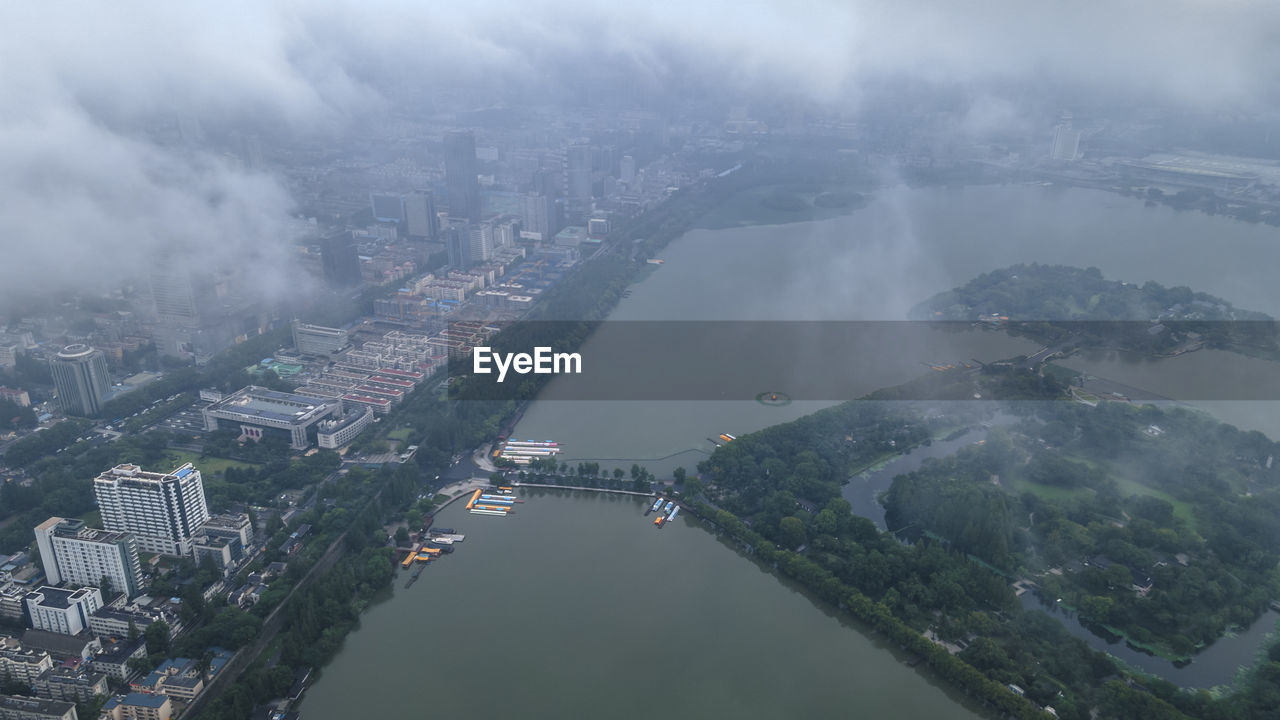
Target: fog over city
{"points": [[94, 191], [805, 358]]}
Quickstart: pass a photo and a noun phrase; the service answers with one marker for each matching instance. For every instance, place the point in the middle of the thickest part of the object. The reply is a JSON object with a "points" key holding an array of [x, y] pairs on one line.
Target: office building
{"points": [[318, 340], [80, 375], [333, 434], [65, 612], [578, 174], [339, 260], [421, 220], [457, 240], [387, 208], [161, 510], [20, 707], [261, 412], [460, 175], [77, 555], [627, 170]]}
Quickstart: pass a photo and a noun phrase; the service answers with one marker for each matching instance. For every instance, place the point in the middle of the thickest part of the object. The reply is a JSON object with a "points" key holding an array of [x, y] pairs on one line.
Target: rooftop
{"points": [[254, 401]]}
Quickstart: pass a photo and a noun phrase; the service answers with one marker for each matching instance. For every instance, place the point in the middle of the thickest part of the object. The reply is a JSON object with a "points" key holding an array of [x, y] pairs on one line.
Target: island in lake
{"points": [[1059, 304]]}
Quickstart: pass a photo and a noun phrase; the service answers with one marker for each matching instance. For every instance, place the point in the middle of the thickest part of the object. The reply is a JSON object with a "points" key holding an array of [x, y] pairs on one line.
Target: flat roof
{"points": [[257, 402]]}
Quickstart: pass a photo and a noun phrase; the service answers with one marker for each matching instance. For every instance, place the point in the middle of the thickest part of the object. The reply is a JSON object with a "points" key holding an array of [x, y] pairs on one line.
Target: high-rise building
{"points": [[627, 170], [578, 173], [505, 233], [420, 215], [480, 242], [318, 340], [387, 207], [161, 510], [79, 555], [339, 258], [65, 612], [538, 214], [457, 240], [1066, 141], [80, 375], [460, 175]]}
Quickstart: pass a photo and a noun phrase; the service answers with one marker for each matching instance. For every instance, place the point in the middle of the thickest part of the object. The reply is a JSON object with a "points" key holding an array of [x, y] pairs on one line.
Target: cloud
{"points": [[93, 192]]}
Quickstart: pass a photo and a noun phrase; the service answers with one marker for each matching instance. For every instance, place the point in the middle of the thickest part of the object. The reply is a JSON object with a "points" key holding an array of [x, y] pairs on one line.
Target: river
{"points": [[576, 606]]}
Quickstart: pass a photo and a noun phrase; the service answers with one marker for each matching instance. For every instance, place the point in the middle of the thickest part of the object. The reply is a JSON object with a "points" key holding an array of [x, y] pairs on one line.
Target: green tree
{"points": [[157, 636], [402, 535], [791, 532]]}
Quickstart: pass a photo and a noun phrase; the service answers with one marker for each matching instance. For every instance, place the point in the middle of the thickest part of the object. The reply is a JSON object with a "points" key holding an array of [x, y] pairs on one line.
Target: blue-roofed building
{"points": [[138, 706]]}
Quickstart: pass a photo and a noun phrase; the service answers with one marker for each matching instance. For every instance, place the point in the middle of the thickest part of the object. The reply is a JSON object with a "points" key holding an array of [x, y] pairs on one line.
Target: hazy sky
{"points": [[88, 193]]}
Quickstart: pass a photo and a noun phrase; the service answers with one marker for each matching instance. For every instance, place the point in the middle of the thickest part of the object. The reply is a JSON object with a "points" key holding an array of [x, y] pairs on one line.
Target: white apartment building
{"points": [[161, 510]]}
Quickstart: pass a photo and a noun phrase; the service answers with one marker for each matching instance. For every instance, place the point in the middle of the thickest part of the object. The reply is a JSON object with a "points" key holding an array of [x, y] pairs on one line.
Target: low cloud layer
{"points": [[91, 195]]}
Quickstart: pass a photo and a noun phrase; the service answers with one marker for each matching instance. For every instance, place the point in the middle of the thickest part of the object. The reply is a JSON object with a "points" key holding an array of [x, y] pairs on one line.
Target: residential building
{"points": [[78, 555], [9, 351], [118, 621], [81, 378], [225, 539], [138, 706], [70, 684], [76, 648], [12, 606], [16, 396], [62, 611], [161, 510], [114, 658], [480, 242], [17, 707], [22, 664]]}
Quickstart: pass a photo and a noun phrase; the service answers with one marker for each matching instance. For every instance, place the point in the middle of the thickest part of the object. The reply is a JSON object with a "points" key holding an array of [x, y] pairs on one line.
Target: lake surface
{"points": [[576, 606], [879, 261]]}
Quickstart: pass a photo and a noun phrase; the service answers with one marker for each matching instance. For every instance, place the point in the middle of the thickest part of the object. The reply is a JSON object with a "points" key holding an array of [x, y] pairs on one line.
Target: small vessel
{"points": [[656, 504], [441, 531], [659, 520], [668, 507], [673, 514], [488, 512]]}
